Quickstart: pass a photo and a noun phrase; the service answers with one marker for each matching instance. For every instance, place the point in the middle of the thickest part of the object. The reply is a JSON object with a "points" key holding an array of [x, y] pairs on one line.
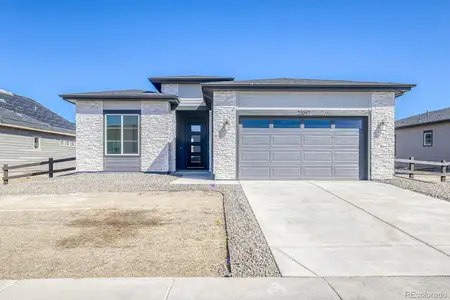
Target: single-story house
{"points": [[30, 132], [284, 128], [425, 136]]}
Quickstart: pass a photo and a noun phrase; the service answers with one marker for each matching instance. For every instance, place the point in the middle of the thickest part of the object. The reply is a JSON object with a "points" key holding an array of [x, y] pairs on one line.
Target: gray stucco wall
{"points": [[89, 122], [410, 142]]}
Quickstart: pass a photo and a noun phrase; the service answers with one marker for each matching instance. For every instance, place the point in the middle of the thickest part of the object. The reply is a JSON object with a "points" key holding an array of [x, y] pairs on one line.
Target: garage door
{"points": [[300, 148]]}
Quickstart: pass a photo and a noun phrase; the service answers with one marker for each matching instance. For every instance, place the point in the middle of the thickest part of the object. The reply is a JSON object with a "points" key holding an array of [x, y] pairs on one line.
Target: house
{"points": [[30, 132], [282, 128], [425, 136]]}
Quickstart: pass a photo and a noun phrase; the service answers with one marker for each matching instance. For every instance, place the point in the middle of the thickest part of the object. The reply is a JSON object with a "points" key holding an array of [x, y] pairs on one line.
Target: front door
{"points": [[196, 145]]}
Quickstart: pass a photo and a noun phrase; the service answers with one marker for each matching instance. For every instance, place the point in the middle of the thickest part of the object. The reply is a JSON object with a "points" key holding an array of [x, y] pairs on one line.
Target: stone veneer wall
{"points": [[89, 133], [382, 141], [158, 126], [224, 137]]}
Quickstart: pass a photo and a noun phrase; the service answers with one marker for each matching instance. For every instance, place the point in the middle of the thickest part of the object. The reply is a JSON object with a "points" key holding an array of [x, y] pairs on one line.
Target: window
{"points": [[317, 123], [348, 123], [428, 138], [36, 143], [255, 123], [61, 142], [286, 123], [122, 134]]}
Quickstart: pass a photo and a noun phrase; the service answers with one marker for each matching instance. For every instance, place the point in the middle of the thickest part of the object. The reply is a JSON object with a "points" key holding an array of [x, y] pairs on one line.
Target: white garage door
{"points": [[300, 148]]}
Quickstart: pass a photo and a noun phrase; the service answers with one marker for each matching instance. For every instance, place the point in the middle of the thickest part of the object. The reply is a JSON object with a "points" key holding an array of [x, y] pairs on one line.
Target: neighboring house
{"points": [[252, 129], [30, 132], [425, 136]]}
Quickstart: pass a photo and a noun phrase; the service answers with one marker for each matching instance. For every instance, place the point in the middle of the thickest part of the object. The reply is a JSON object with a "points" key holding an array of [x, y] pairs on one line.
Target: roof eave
{"points": [[422, 124], [398, 89], [159, 80], [73, 98]]}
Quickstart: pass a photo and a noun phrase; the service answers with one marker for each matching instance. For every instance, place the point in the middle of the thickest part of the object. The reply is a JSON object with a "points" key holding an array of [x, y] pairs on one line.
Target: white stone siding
{"points": [[157, 137], [382, 142], [89, 133], [224, 136]]}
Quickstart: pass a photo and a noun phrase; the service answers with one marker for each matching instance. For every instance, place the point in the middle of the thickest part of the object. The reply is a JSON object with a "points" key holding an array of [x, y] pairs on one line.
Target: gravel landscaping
{"points": [[439, 190], [249, 254]]}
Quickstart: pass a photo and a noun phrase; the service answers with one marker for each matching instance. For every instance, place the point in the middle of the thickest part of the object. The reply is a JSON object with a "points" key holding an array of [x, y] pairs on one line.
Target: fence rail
{"points": [[50, 162], [411, 171]]}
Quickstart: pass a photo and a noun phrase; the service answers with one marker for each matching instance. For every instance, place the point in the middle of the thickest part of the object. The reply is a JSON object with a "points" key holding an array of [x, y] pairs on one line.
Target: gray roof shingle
{"points": [[22, 111], [307, 82], [429, 117]]}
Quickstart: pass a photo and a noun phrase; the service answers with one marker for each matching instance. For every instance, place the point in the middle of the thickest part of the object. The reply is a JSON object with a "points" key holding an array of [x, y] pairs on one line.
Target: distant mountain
{"points": [[20, 110]]}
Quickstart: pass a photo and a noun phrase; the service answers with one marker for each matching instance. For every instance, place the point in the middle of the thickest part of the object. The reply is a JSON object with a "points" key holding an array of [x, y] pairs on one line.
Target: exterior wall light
{"points": [[383, 125]]}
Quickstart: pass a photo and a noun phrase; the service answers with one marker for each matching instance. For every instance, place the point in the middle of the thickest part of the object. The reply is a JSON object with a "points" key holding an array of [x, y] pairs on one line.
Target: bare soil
{"points": [[112, 235]]}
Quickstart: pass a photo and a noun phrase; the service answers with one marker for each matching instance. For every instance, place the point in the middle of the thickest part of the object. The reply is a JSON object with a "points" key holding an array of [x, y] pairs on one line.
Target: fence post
{"points": [[5, 174], [50, 167], [411, 167], [443, 170]]}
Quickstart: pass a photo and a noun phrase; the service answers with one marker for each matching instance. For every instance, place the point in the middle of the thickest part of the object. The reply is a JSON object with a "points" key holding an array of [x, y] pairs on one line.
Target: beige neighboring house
{"points": [[425, 136], [30, 132]]}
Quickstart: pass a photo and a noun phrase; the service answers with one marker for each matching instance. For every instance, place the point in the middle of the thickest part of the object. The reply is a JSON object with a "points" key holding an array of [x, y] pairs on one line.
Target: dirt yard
{"points": [[112, 235]]}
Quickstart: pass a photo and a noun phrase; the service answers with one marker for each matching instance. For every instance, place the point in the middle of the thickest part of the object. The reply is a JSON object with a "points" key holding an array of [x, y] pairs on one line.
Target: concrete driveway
{"points": [[353, 228]]}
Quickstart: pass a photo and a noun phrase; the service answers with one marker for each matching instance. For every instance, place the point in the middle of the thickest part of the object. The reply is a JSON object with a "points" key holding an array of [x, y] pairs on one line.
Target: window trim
{"points": [[121, 135], [425, 132], [39, 143]]}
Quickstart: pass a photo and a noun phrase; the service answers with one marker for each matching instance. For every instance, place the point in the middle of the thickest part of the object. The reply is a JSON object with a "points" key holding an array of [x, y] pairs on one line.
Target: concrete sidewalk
{"points": [[227, 288]]}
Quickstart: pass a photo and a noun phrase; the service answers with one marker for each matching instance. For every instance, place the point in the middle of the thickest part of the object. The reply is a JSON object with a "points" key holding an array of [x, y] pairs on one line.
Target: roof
{"points": [[19, 111], [188, 79], [157, 81], [429, 117], [312, 84], [121, 95]]}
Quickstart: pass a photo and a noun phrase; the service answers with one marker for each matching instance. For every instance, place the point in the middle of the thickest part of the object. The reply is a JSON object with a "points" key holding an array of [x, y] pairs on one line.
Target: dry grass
{"points": [[106, 227], [112, 235]]}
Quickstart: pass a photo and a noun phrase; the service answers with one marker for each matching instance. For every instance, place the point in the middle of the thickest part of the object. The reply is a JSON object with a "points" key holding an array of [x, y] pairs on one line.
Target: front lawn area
{"points": [[155, 233]]}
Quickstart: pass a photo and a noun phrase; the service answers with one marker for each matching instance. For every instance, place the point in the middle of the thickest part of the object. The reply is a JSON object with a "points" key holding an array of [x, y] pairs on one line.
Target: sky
{"points": [[51, 47]]}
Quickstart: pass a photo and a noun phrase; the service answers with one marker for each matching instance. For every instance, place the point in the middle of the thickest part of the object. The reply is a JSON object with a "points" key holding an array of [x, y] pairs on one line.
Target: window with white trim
{"points": [[428, 138], [121, 134]]}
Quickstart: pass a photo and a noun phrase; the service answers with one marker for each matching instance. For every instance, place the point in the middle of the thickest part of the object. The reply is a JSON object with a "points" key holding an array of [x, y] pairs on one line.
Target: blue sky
{"points": [[52, 47]]}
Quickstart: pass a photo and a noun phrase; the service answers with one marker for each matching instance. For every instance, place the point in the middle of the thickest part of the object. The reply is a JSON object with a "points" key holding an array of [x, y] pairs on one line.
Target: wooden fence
{"points": [[411, 170], [50, 162]]}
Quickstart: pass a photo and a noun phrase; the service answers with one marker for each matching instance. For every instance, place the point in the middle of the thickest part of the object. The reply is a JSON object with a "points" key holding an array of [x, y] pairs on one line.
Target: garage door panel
{"points": [[346, 172], [315, 172], [299, 153], [253, 172], [348, 156], [316, 140], [317, 156], [253, 156], [346, 140], [283, 156], [286, 140], [286, 172], [255, 140]]}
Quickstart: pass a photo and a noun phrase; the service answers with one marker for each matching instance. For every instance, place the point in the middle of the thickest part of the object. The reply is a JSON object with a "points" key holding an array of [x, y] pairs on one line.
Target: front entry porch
{"points": [[193, 141]]}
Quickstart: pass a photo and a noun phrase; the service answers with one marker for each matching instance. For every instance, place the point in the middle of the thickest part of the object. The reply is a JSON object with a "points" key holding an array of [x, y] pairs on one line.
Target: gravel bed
{"points": [[249, 253], [439, 190]]}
